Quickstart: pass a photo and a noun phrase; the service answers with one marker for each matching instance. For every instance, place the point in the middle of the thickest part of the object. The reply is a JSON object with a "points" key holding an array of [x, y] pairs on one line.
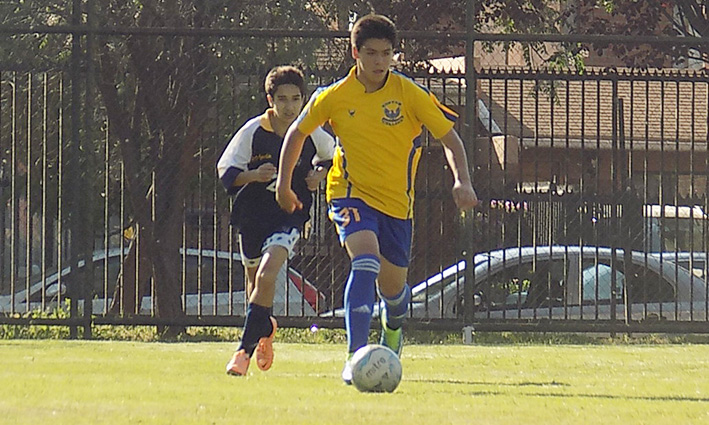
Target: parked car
{"points": [[207, 289], [568, 282], [696, 262]]}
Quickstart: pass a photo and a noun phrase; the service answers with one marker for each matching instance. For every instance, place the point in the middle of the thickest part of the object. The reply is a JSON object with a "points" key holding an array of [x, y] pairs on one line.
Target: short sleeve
{"points": [[238, 152], [315, 112], [437, 118]]}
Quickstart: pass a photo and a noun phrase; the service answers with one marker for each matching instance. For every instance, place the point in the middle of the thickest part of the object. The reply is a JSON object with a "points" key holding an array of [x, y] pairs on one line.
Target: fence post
{"points": [[81, 233], [466, 243], [616, 191], [88, 235]]}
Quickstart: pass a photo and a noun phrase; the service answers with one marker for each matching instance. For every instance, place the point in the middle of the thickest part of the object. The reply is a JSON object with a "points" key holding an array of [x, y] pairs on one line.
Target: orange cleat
{"points": [[239, 363], [264, 349]]}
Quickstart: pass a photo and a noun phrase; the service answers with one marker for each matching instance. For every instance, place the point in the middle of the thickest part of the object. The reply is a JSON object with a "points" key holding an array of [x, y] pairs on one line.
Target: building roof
{"points": [[658, 109]]}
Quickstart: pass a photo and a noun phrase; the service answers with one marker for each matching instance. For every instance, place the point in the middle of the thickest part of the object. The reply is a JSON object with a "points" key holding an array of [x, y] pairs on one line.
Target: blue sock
{"points": [[396, 307], [257, 325], [359, 299]]}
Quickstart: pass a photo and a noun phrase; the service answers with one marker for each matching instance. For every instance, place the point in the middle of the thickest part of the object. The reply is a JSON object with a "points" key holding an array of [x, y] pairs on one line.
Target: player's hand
{"points": [[288, 200], [315, 177], [464, 196], [265, 173]]}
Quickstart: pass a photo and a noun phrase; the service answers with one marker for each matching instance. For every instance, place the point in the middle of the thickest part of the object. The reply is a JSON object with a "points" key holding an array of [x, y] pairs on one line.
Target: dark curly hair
{"points": [[285, 74], [373, 26]]}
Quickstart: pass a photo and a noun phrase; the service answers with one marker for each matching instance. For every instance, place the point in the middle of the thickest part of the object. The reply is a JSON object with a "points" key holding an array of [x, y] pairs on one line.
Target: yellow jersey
{"points": [[378, 138]]}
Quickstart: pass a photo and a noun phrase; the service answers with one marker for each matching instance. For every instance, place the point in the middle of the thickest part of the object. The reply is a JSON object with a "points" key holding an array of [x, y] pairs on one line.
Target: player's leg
{"points": [[395, 246], [249, 244], [266, 256], [395, 295], [362, 248], [277, 248], [261, 304], [250, 268], [258, 323], [271, 264], [357, 232], [250, 277]]}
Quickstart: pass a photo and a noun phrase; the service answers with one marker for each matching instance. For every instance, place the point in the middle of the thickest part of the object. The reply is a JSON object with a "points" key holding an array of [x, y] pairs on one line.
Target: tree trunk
{"points": [[158, 124], [133, 281]]}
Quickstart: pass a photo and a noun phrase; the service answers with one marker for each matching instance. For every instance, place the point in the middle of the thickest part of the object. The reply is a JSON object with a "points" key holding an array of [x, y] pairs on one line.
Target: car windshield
{"points": [[597, 283]]}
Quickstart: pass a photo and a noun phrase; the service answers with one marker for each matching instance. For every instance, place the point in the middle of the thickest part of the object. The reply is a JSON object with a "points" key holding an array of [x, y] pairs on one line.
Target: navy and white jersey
{"points": [[255, 144]]}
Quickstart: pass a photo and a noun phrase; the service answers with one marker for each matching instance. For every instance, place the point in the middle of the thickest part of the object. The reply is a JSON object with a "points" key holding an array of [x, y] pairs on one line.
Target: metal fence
{"points": [[593, 181]]}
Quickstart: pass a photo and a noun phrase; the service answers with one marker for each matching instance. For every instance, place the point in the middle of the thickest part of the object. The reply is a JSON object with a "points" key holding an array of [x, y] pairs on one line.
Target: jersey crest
{"points": [[392, 112]]}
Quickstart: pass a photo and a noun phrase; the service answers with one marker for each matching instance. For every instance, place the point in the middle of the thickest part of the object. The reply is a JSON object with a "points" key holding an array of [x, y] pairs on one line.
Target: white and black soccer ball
{"points": [[375, 368]]}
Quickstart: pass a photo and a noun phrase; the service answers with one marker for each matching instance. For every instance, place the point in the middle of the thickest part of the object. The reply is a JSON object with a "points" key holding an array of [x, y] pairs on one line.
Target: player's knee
{"points": [[266, 277]]}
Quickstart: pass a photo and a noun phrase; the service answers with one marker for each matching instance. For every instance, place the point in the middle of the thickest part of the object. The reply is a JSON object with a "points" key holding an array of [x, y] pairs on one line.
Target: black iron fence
{"points": [[593, 179]]}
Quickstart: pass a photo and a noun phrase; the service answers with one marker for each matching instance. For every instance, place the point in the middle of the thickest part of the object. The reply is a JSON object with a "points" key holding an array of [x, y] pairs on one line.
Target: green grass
{"points": [[123, 382]]}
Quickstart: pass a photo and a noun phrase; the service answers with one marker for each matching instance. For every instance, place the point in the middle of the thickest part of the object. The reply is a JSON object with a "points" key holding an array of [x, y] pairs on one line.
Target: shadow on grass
{"points": [[501, 384], [557, 395], [625, 397]]}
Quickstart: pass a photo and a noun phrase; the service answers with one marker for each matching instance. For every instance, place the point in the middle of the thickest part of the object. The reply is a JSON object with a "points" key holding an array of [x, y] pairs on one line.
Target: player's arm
{"points": [[290, 152], [233, 165], [463, 193], [313, 116], [322, 160], [263, 174]]}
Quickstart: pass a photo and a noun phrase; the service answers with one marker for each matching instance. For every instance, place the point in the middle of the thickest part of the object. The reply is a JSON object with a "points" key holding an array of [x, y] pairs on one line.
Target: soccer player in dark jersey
{"points": [[267, 234], [377, 115]]}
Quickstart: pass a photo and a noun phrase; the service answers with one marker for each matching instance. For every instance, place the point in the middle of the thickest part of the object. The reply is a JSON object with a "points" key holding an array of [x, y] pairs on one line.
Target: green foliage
{"points": [[35, 51], [641, 18]]}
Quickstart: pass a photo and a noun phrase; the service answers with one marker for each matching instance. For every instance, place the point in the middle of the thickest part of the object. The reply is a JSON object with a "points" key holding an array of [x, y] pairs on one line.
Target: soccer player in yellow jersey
{"points": [[377, 115]]}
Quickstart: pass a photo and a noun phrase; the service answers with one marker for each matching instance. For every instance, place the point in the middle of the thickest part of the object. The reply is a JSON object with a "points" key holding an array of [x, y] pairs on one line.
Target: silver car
{"points": [[570, 282], [207, 290]]}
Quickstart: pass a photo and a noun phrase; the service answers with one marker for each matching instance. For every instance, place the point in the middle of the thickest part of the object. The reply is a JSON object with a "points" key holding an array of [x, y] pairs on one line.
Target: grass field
{"points": [[108, 382]]}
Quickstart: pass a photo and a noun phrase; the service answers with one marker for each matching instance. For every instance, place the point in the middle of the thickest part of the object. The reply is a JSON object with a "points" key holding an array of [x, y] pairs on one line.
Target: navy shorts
{"points": [[254, 243], [351, 215]]}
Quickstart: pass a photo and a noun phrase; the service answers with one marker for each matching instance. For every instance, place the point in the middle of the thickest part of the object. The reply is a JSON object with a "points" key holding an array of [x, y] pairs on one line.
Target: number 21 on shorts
{"points": [[347, 214]]}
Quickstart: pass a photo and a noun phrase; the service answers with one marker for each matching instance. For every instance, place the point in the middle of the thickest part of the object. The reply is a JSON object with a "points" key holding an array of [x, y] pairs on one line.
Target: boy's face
{"points": [[286, 102], [373, 59]]}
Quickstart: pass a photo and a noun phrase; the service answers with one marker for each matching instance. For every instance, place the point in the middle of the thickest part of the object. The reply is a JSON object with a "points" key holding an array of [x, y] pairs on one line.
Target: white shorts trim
{"points": [[287, 240]]}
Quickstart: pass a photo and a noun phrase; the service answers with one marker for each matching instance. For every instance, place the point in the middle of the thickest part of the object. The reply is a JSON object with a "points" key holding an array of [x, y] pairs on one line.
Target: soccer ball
{"points": [[375, 368]]}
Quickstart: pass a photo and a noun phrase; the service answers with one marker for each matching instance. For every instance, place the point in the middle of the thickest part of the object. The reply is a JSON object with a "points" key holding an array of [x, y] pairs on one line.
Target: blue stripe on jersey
{"points": [[318, 91], [447, 113], [409, 171], [406, 77], [346, 174], [305, 110]]}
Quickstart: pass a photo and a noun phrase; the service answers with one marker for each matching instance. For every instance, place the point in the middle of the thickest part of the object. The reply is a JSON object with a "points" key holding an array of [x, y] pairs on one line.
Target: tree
{"points": [[536, 17], [682, 18], [159, 93]]}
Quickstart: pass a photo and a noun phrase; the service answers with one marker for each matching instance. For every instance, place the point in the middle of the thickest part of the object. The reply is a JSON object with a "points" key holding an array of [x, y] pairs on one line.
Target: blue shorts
{"points": [[351, 215]]}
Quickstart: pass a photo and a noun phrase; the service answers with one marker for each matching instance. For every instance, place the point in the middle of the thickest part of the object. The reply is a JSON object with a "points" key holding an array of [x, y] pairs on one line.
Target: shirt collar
{"points": [[265, 120], [353, 76]]}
